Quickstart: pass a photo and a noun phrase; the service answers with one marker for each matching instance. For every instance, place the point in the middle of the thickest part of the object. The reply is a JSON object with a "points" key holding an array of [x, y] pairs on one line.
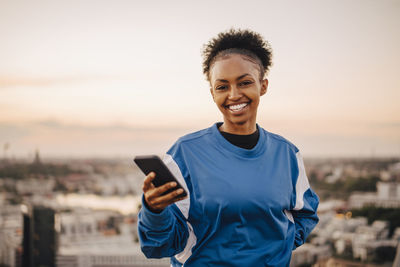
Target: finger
{"points": [[180, 198], [168, 198], [163, 188], [147, 183], [157, 192], [153, 195], [163, 205]]}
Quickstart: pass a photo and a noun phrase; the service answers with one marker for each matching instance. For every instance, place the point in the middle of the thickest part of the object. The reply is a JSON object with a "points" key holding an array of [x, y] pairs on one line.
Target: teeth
{"points": [[237, 107]]}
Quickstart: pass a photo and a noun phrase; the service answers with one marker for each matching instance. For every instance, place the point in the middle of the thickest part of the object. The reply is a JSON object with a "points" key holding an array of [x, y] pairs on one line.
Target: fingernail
{"points": [[173, 184], [180, 191]]}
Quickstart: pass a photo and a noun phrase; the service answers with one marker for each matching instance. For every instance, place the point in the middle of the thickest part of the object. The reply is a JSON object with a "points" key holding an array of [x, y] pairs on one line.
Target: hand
{"points": [[153, 195]]}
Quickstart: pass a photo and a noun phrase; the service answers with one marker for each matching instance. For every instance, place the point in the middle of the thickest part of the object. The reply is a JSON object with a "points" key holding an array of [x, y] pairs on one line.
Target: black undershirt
{"points": [[247, 141]]}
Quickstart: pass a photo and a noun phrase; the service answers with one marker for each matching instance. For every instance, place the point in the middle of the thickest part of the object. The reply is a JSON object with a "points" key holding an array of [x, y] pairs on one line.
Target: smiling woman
{"points": [[249, 202]]}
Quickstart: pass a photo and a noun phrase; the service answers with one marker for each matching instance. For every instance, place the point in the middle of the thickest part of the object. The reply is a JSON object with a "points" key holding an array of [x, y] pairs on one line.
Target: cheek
{"points": [[218, 98], [219, 102], [220, 105]]}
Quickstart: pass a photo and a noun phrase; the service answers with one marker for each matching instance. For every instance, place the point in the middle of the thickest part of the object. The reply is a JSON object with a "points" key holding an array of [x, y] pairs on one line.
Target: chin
{"points": [[238, 121]]}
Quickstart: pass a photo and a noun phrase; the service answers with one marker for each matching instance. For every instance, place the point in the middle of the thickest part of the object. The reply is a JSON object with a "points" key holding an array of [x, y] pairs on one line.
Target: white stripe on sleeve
{"points": [[289, 215], [183, 206], [187, 251], [302, 184]]}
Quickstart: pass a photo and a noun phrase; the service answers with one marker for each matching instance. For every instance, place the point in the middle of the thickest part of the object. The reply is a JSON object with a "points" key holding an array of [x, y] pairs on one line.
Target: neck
{"points": [[243, 129]]}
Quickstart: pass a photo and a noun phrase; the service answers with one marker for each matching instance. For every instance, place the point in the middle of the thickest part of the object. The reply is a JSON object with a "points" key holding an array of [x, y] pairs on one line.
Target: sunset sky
{"points": [[121, 78]]}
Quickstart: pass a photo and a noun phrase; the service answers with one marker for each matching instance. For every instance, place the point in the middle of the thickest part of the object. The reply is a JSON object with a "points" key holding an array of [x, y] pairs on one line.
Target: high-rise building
{"points": [[39, 240]]}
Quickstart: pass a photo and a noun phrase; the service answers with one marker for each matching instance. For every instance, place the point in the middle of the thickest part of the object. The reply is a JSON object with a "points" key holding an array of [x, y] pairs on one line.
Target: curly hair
{"points": [[244, 42]]}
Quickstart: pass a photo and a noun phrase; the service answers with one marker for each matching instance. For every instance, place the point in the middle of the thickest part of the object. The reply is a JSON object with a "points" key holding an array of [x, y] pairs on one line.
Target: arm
{"points": [[162, 226], [305, 211], [162, 234]]}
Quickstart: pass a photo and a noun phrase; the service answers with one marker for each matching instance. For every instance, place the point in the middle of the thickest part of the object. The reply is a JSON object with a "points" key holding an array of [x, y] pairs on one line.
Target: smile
{"points": [[237, 107]]}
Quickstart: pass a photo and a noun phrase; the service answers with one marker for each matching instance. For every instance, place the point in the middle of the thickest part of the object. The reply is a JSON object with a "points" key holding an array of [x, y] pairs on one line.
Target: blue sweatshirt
{"points": [[246, 207]]}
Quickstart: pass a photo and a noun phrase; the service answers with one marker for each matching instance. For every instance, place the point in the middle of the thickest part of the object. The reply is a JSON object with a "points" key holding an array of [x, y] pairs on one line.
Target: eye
{"points": [[245, 83], [221, 87]]}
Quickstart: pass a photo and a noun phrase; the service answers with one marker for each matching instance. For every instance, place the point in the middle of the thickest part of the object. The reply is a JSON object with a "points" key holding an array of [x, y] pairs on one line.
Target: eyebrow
{"points": [[237, 79]]}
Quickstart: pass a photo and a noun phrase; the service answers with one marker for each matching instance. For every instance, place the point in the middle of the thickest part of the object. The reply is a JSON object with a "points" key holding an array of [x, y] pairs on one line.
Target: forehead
{"points": [[231, 66]]}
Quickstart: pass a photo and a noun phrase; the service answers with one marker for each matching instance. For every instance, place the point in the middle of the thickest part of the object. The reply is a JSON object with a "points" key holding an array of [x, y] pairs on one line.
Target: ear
{"points": [[264, 87]]}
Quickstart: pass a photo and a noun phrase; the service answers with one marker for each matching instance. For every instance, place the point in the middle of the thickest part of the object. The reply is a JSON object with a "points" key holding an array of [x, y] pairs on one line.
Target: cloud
{"points": [[395, 125], [27, 81], [57, 138], [59, 125], [10, 131]]}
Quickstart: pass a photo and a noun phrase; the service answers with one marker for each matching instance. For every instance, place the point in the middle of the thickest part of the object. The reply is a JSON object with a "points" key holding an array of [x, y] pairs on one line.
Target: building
{"points": [[39, 237], [106, 255], [10, 235], [308, 254], [387, 196], [35, 186], [100, 239]]}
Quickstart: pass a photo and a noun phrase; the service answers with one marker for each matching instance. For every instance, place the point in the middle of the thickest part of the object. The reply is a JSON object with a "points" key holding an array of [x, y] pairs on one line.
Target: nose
{"points": [[234, 93]]}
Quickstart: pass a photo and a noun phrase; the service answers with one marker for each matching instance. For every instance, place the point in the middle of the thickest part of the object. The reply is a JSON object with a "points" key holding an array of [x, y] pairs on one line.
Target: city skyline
{"points": [[99, 79]]}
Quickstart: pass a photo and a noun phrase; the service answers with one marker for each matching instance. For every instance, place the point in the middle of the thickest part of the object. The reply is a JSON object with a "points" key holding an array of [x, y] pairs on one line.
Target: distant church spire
{"points": [[37, 160]]}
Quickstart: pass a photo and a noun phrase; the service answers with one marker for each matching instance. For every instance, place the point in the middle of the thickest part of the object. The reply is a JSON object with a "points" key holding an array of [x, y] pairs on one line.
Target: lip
{"points": [[238, 112], [234, 104]]}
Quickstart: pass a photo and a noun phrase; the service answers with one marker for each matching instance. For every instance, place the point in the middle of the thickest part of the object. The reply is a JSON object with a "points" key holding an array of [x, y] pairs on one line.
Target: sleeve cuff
{"points": [[155, 220], [298, 241]]}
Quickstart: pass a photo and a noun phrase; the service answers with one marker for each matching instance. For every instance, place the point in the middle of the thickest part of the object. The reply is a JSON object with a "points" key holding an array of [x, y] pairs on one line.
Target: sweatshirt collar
{"points": [[242, 152]]}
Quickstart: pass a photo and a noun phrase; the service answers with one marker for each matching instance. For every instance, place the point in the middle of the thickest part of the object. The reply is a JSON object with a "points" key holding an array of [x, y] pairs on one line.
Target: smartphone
{"points": [[153, 163]]}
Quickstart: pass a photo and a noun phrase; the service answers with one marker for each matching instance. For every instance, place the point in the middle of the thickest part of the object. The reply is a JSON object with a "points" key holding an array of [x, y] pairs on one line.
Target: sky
{"points": [[122, 78]]}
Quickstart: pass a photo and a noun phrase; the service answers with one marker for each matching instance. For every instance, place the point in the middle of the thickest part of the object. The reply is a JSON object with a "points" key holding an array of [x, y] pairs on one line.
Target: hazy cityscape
{"points": [[83, 212], [87, 85]]}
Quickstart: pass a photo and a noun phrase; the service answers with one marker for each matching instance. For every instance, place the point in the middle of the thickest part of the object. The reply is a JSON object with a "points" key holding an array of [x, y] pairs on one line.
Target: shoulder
{"points": [[278, 140], [192, 139], [195, 136], [181, 152]]}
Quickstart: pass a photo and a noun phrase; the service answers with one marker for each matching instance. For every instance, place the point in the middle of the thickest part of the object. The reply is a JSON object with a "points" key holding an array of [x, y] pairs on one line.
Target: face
{"points": [[236, 88]]}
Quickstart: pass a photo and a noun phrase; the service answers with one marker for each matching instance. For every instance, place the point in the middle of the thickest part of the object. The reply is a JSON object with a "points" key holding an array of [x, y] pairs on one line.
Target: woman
{"points": [[249, 203]]}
